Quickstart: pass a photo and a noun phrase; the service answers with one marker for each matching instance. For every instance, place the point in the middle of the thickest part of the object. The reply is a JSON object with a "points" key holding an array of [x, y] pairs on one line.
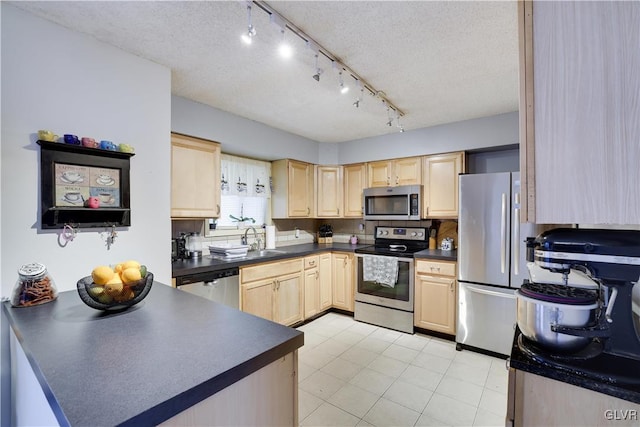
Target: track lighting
{"points": [[398, 124], [284, 24], [316, 76], [285, 49], [247, 37], [358, 100]]}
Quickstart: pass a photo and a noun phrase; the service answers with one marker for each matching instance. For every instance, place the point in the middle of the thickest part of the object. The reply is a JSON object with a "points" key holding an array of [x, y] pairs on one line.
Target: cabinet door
{"points": [[441, 185], [289, 299], [326, 280], [311, 292], [579, 101], [435, 306], [379, 173], [299, 189], [258, 298], [329, 191], [354, 183], [343, 279], [407, 171], [195, 178]]}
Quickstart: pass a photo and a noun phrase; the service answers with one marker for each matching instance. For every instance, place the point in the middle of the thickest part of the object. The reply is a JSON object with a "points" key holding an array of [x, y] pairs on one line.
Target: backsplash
{"points": [[294, 231]]}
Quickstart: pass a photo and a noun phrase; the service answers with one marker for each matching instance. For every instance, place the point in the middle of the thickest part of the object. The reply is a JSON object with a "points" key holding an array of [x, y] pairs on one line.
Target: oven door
{"points": [[399, 296]]}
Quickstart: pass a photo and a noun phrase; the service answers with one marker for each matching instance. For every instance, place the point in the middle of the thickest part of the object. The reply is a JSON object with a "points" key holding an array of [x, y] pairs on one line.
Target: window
{"points": [[245, 190]]}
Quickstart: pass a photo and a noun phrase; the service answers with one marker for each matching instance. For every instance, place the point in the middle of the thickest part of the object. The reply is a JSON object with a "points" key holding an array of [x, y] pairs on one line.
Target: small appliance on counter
{"points": [[179, 248], [194, 245], [588, 328], [325, 234]]}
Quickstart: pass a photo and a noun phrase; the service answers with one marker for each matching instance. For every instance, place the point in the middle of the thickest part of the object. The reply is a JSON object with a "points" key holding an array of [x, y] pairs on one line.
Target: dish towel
{"points": [[380, 269]]}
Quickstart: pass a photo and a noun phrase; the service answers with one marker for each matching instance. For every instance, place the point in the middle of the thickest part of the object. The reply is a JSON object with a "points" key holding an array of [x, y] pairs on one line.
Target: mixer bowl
{"points": [[535, 318]]}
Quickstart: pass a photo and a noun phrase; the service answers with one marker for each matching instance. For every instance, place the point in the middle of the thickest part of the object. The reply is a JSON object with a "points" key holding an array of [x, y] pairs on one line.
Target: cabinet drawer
{"points": [[442, 268], [311, 262], [270, 269]]}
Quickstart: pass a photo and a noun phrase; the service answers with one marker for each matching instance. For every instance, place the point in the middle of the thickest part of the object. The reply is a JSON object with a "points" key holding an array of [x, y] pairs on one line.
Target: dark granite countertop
{"points": [[574, 372], [437, 254], [146, 364], [208, 263]]}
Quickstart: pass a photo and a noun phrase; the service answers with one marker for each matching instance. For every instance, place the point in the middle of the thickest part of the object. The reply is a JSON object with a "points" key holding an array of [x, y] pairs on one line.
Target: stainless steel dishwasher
{"points": [[221, 286]]}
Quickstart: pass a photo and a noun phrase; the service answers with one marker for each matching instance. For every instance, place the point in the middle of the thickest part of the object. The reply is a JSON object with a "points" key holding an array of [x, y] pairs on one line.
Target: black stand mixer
{"points": [[612, 259]]}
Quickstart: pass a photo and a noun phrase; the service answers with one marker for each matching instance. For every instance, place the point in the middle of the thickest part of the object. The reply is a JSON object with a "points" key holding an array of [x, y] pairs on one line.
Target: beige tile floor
{"points": [[353, 373]]}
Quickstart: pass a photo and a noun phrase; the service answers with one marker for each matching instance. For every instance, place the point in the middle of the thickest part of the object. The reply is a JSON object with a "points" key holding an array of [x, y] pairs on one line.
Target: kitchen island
{"points": [[165, 360]]}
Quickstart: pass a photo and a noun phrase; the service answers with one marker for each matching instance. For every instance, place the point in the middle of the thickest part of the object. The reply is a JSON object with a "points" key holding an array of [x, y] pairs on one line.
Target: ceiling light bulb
{"points": [[285, 50], [343, 88], [251, 31]]}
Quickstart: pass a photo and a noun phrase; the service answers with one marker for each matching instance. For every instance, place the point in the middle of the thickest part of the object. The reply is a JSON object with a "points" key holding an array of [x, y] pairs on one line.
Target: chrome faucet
{"points": [[255, 246]]}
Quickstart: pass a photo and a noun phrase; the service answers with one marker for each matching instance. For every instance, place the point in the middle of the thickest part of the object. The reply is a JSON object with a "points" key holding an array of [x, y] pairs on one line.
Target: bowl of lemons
{"points": [[115, 288]]}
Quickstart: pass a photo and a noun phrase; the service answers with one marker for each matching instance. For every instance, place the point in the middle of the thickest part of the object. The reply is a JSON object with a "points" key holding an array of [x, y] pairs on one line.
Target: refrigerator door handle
{"points": [[491, 293], [503, 234], [516, 241]]}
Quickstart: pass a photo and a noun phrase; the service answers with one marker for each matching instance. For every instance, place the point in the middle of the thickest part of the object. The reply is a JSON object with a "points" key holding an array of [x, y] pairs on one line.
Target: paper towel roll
{"points": [[270, 237]]}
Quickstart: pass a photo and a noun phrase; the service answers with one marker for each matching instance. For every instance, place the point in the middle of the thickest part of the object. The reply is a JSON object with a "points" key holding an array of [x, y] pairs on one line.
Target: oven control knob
{"points": [[420, 234], [385, 232], [414, 234]]}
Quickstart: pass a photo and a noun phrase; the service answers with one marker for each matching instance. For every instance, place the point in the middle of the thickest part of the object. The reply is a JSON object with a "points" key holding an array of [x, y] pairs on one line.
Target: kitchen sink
{"points": [[264, 253]]}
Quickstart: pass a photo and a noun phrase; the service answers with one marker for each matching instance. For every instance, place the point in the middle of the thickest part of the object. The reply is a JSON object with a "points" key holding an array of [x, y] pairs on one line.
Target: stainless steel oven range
{"points": [[385, 283]]}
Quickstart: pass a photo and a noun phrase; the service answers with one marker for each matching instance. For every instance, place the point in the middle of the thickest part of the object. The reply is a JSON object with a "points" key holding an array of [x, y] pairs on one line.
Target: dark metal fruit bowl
{"points": [[101, 298]]}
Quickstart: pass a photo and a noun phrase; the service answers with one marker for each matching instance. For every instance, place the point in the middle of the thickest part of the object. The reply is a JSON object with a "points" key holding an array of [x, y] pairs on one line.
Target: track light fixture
{"points": [[343, 88], [285, 49], [318, 50], [360, 96], [247, 37], [318, 70]]}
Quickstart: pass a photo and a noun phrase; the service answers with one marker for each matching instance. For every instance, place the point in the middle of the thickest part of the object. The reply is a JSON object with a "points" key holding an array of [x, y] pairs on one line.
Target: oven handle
{"points": [[386, 256]]}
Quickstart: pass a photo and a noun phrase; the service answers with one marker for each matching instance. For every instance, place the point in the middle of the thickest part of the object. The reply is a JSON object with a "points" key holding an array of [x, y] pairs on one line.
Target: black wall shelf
{"points": [[55, 156]]}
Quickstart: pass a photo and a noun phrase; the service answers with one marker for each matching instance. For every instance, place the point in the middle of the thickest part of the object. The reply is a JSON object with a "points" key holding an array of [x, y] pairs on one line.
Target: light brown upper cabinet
{"points": [[354, 183], [440, 180], [579, 111], [195, 177], [328, 191], [292, 195], [391, 173]]}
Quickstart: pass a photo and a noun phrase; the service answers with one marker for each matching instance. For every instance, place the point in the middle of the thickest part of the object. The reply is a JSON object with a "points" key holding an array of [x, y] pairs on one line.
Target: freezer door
{"points": [[484, 228], [519, 234], [486, 317]]}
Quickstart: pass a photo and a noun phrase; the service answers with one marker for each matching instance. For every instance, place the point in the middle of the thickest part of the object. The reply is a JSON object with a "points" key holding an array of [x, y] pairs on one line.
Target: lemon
{"points": [[118, 268], [114, 286], [131, 275], [130, 264], [102, 274]]}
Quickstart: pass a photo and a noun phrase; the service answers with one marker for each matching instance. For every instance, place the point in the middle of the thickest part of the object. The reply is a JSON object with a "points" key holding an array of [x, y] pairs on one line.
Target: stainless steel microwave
{"points": [[393, 203]]}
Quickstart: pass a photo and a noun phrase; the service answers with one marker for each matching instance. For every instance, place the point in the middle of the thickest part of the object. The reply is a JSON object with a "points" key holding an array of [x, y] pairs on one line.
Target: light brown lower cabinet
{"points": [[435, 296], [343, 273], [274, 291], [250, 401], [535, 400], [311, 286], [326, 279]]}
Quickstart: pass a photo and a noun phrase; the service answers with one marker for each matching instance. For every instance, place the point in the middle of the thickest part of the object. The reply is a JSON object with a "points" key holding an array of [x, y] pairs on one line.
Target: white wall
{"points": [[238, 135], [54, 78], [473, 134]]}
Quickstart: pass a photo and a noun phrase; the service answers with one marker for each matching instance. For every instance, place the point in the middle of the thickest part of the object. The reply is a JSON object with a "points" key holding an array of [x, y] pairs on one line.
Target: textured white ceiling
{"points": [[438, 61]]}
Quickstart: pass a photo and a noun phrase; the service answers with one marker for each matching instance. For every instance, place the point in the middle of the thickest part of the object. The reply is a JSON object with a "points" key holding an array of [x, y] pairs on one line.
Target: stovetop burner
{"points": [[397, 241]]}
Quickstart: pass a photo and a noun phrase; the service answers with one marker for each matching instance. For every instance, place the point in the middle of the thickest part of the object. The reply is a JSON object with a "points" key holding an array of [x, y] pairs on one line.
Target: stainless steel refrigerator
{"points": [[491, 260]]}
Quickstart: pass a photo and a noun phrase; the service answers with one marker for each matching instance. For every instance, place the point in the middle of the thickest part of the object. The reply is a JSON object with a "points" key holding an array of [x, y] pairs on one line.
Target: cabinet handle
{"points": [[338, 211], [397, 180], [312, 263], [451, 285], [317, 275], [218, 210], [273, 285], [277, 284], [345, 262], [308, 211], [435, 268]]}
